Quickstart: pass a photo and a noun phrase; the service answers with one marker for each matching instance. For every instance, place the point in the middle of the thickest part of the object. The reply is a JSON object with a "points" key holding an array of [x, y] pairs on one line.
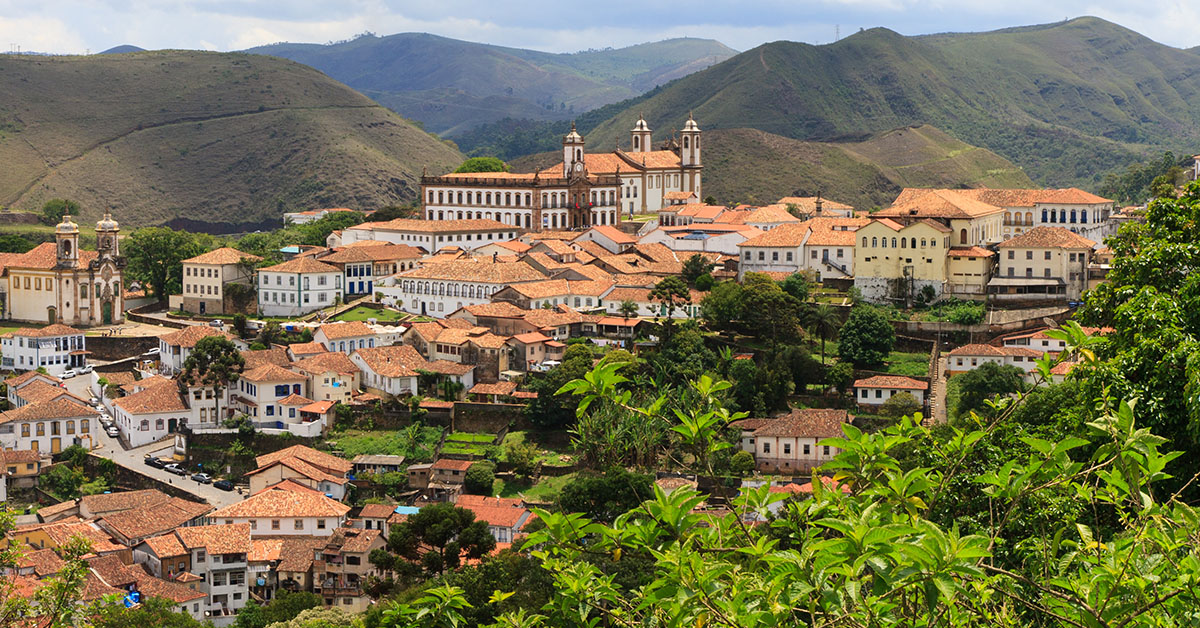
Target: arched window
{"points": [[578, 154], [1029, 218], [923, 243], [1007, 218], [903, 243], [635, 142], [962, 236], [508, 198], [874, 242], [914, 243], [864, 242], [430, 196], [440, 198], [1083, 215], [893, 243], [685, 142]]}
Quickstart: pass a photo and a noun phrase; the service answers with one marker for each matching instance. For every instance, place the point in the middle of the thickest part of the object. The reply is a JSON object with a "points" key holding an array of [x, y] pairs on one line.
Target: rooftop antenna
{"points": [[837, 32]]}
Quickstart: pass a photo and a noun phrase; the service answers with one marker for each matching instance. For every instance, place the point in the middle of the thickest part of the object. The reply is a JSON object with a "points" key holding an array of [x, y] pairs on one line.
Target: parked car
{"points": [[153, 461], [224, 485], [216, 323], [112, 431], [87, 368], [68, 374], [202, 478], [153, 351], [175, 469]]}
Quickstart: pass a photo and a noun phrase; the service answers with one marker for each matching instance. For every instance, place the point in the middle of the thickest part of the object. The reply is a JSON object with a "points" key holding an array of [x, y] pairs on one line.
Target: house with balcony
{"points": [[219, 558], [258, 391], [55, 348], [368, 262], [341, 568], [297, 287], [207, 279], [345, 337]]}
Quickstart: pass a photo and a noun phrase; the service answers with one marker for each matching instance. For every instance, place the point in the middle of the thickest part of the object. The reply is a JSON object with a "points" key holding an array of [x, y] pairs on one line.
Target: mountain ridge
{"points": [[223, 142], [452, 85]]}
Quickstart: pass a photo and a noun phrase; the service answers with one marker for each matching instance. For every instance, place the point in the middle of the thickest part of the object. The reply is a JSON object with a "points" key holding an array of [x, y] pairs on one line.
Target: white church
{"points": [[585, 190]]}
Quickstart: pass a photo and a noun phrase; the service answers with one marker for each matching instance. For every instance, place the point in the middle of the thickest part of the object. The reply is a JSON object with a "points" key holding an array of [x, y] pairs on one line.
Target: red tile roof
{"points": [[345, 329], [221, 256], [1048, 237], [892, 381], [806, 423], [303, 264], [449, 464], [190, 335], [282, 503]]}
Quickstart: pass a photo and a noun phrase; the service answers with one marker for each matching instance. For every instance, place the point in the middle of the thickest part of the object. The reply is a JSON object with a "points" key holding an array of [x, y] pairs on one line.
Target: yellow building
{"points": [[928, 241], [1044, 263]]}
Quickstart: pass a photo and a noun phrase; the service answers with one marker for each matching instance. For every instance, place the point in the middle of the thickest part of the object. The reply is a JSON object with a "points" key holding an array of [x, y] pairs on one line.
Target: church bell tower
{"points": [[640, 136], [572, 153], [66, 237]]}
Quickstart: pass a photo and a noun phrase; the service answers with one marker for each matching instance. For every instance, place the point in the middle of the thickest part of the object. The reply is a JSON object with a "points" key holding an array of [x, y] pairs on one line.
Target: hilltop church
{"points": [[57, 282], [584, 190]]}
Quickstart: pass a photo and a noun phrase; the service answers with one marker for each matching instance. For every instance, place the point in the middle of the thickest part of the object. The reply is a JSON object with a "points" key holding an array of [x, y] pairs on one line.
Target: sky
{"points": [[89, 26]]}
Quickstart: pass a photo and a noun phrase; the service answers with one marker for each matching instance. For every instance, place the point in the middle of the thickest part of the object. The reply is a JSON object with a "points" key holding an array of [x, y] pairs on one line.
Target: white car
{"points": [[153, 351], [87, 368], [68, 374], [112, 431]]}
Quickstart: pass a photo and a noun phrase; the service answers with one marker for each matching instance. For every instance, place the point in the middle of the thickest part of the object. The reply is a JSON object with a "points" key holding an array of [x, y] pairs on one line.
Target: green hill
{"points": [[212, 141], [452, 86], [752, 166], [1067, 102]]}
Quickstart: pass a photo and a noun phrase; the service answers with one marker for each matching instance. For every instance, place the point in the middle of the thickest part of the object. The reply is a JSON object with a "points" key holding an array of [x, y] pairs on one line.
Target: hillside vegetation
{"points": [[452, 86], [1067, 102], [752, 166], [207, 141]]}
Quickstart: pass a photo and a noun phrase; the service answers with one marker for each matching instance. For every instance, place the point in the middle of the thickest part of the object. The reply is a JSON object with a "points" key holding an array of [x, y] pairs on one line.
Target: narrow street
{"points": [[134, 459]]}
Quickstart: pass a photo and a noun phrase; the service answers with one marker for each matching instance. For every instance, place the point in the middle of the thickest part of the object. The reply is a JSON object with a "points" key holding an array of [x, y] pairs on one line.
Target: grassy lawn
{"points": [[546, 489], [362, 313], [4, 329], [468, 437], [905, 363], [553, 450], [953, 393], [387, 442]]}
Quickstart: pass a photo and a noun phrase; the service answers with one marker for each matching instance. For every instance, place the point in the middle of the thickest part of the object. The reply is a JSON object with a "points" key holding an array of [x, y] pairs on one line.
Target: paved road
{"points": [[134, 459]]}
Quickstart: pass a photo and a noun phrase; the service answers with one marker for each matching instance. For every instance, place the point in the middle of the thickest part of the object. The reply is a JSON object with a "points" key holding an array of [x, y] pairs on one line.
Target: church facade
{"points": [[57, 282], [584, 190]]}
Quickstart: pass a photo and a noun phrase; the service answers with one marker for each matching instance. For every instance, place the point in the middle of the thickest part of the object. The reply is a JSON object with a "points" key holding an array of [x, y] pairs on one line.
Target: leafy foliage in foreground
{"points": [[876, 554]]}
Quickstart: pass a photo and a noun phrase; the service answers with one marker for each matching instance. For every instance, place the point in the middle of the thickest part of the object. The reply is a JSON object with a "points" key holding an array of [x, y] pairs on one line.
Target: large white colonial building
{"points": [[59, 283], [586, 189]]}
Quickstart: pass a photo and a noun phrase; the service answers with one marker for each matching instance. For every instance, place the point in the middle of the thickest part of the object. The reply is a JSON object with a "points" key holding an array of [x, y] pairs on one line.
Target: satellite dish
{"points": [[1050, 322]]}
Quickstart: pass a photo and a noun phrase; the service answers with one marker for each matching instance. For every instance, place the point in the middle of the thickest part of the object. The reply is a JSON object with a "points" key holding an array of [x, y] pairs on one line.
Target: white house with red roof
{"points": [[297, 287], [56, 348], [506, 518], [1042, 263], [876, 390], [790, 444], [257, 393], [345, 336], [308, 467], [972, 356], [285, 509], [175, 347], [206, 277]]}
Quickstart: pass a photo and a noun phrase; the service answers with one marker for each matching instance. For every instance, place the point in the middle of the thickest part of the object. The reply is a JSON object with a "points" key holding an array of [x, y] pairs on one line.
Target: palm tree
{"points": [[628, 309], [824, 322]]}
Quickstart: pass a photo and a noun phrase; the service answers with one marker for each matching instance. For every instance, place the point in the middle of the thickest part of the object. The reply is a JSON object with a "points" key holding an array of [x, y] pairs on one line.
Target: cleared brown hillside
{"points": [[215, 141], [752, 166]]}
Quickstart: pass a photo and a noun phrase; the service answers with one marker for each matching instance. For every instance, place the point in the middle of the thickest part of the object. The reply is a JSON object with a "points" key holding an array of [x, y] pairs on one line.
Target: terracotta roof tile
{"points": [[808, 204], [328, 362], [271, 373], [307, 348], [1048, 237], [304, 264], [450, 464], [217, 539], [123, 500], [989, 350], [892, 381], [345, 329], [19, 380], [970, 251], [479, 270], [434, 226], [45, 562], [279, 504], [143, 522], [190, 335], [256, 358], [223, 255], [45, 256], [382, 253], [393, 361], [63, 408], [159, 397], [498, 388], [938, 204], [48, 331], [307, 454], [806, 423], [166, 546]]}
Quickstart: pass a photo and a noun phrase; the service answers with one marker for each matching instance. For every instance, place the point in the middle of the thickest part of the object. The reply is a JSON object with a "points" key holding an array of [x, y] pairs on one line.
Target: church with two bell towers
{"points": [[584, 190], [58, 282]]}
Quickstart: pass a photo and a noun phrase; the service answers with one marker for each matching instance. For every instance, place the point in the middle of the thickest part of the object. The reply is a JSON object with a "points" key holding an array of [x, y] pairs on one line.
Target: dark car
{"points": [[202, 478], [224, 485], [174, 468], [155, 461]]}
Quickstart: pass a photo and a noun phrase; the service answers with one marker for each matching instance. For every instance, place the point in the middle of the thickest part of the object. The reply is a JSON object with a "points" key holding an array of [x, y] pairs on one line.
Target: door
{"points": [[55, 445], [106, 312], [172, 425], [52, 315], [202, 307]]}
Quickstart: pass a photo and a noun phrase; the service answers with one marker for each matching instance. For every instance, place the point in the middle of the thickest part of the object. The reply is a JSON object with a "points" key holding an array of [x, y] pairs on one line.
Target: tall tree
{"points": [[439, 536], [215, 362], [155, 256], [867, 337], [628, 309], [722, 307], [482, 164], [769, 310], [986, 382], [694, 267], [796, 285], [823, 321]]}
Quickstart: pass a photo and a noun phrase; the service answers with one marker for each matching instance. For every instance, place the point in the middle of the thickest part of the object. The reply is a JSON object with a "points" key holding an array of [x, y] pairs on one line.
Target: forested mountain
{"points": [[1066, 102], [452, 86]]}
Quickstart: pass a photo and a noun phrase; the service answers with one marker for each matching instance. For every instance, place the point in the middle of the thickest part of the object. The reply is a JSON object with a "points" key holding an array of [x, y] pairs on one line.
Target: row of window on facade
{"points": [[1074, 257], [36, 284], [447, 289], [60, 343], [290, 297], [904, 242], [57, 428], [191, 288], [322, 280], [509, 199], [192, 271], [787, 449]]}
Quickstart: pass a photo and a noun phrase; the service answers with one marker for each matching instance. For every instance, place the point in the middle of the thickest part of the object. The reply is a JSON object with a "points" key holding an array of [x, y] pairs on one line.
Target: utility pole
{"points": [[837, 32]]}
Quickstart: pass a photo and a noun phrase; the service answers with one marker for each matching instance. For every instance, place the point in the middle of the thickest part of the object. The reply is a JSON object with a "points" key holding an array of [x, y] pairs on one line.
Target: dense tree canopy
{"points": [[867, 337], [155, 258], [482, 164]]}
